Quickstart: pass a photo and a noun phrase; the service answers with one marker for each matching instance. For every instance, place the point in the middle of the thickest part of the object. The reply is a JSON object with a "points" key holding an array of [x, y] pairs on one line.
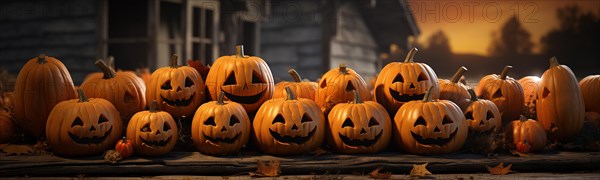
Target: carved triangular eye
{"points": [[77, 122], [469, 116], [166, 85], [166, 127], [447, 120], [323, 83], [422, 77], [348, 123], [489, 115], [421, 121], [188, 82], [373, 122], [230, 79], [102, 119], [233, 120], [210, 122], [545, 93], [146, 128], [398, 78], [497, 94], [350, 86], [305, 118], [256, 78], [279, 119]]}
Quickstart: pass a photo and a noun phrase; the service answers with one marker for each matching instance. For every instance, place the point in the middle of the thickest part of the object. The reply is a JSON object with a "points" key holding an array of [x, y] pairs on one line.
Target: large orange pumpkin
{"points": [[83, 127], [124, 90], [455, 91], [590, 90], [288, 126], [7, 125], [401, 82], [42, 83], [152, 132], [482, 115], [244, 79], [560, 107], [526, 132], [505, 92], [530, 85], [336, 87], [302, 89]]}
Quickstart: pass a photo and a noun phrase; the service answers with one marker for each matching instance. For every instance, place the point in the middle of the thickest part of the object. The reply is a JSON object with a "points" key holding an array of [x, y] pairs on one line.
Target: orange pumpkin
{"points": [[7, 126], [590, 90], [124, 147], [401, 82], [482, 115], [288, 126], [526, 132], [530, 85], [359, 127], [244, 79], [220, 127], [42, 83], [560, 107], [301, 89], [430, 126], [505, 92], [83, 127], [124, 90], [336, 87], [8, 99], [152, 132], [145, 74], [455, 91]]}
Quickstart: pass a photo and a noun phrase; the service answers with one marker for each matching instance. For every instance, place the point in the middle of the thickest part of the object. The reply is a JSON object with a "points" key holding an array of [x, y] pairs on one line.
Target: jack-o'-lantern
{"points": [[220, 127], [178, 90], [455, 91], [359, 127], [430, 126], [152, 132], [505, 92], [560, 106], [337, 86], [244, 79], [482, 115], [7, 125], [288, 126], [302, 89], [401, 82], [83, 127], [590, 90], [527, 133], [530, 85], [42, 83], [124, 90]]}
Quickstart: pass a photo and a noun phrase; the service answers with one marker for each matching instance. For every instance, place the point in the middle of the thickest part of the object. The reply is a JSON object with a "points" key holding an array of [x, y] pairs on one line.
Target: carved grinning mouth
{"points": [[364, 143], [222, 140], [292, 139], [92, 140], [184, 102], [244, 99], [155, 144], [436, 141], [405, 98]]}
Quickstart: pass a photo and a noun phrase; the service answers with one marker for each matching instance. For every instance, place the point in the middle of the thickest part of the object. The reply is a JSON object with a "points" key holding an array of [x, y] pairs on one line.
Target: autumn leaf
{"points": [[514, 152], [500, 169], [319, 152], [419, 170], [12, 149], [270, 169], [375, 174], [112, 156]]}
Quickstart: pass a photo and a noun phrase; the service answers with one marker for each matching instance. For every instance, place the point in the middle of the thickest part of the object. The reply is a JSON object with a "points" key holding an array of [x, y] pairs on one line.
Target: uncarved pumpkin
{"points": [[505, 92], [7, 126], [152, 132], [482, 115], [145, 74], [527, 133], [337, 86], [124, 147], [302, 89], [530, 85], [590, 90], [455, 91]]}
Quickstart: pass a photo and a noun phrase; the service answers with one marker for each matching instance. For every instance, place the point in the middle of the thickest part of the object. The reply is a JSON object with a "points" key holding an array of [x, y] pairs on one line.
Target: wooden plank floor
{"points": [[194, 163]]}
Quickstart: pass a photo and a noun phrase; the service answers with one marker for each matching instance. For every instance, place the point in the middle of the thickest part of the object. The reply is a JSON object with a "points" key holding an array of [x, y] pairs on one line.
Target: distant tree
{"points": [[512, 41], [439, 44]]}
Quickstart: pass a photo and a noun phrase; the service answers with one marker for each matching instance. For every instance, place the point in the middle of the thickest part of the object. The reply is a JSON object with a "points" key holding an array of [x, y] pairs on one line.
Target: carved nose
{"points": [[223, 129], [178, 89], [436, 129], [295, 128], [412, 85], [246, 86], [481, 123], [362, 131], [92, 128], [157, 132]]}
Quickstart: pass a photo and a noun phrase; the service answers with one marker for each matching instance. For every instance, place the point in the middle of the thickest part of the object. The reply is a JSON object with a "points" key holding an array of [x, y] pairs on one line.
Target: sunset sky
{"points": [[469, 24]]}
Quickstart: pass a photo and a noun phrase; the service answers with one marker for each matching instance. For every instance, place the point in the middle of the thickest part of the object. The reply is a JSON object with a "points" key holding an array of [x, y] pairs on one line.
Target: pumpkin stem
{"points": [[108, 72], [505, 72], [428, 97], [411, 55], [42, 59], [124, 140], [357, 99], [110, 61], [82, 97], [153, 106], [473, 95], [221, 98], [343, 69], [522, 118], [456, 77], [295, 75], [553, 62], [174, 63], [290, 94], [239, 51]]}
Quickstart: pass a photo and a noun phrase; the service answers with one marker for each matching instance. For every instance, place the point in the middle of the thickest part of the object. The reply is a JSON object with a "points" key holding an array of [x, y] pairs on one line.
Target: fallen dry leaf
{"points": [[419, 170], [375, 174], [319, 152], [112, 156], [514, 152], [13, 149], [500, 169], [271, 169]]}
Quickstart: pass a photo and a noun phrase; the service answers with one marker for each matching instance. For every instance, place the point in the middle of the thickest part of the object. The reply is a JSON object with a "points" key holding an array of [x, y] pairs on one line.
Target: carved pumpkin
{"points": [[83, 127], [178, 90], [590, 90], [244, 79], [124, 147], [301, 89], [336, 87], [505, 92], [401, 82], [152, 132], [482, 115], [530, 85], [430, 126], [359, 127], [41, 84], [526, 132], [124, 90], [289, 126], [455, 91], [560, 107], [7, 126], [220, 127]]}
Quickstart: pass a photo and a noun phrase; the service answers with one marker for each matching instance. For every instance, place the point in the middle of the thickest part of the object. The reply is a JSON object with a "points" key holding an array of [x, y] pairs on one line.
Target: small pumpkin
{"points": [[178, 90], [83, 127], [590, 90], [401, 82], [505, 92], [220, 127], [482, 115], [530, 85], [455, 91], [152, 132], [42, 83], [7, 126], [301, 89], [244, 79], [359, 127], [289, 126], [560, 106], [336, 86], [430, 126], [124, 147], [526, 132]]}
